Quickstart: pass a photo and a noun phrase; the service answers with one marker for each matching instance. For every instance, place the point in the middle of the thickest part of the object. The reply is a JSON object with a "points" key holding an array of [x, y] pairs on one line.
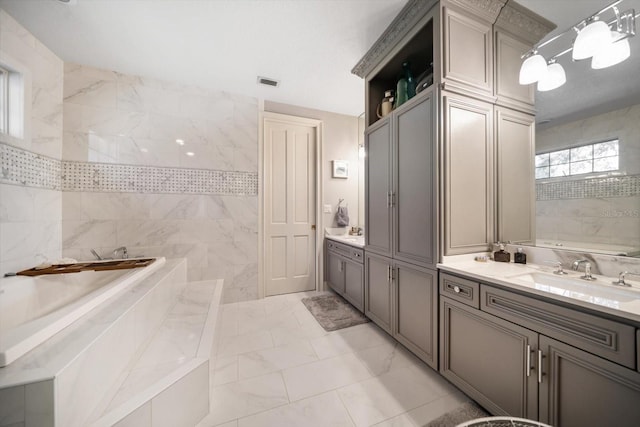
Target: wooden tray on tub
{"points": [[121, 264]]}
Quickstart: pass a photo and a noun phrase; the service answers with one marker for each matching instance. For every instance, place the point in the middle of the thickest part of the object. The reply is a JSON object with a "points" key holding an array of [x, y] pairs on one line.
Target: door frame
{"points": [[317, 124]]}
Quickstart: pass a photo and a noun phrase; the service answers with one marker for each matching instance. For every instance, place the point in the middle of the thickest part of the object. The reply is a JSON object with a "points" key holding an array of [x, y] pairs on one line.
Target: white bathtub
{"points": [[32, 309]]}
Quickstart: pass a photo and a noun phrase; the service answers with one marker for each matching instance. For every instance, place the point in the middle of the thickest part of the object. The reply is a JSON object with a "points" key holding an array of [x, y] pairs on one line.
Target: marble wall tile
{"points": [[28, 234]]}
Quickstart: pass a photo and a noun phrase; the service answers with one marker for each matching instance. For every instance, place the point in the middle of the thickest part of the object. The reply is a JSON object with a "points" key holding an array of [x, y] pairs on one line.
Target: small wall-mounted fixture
{"points": [[268, 81], [606, 43]]}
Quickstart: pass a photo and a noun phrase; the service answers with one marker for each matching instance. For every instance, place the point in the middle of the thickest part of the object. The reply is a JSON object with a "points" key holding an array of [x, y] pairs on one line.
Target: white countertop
{"points": [[599, 295], [357, 241]]}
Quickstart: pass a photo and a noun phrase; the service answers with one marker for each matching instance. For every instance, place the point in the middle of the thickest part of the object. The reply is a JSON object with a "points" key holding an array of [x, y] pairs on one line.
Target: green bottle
{"points": [[406, 86]]}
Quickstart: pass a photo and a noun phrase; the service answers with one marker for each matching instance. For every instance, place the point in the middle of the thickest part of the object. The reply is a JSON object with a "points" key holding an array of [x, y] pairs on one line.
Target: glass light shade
{"points": [[555, 78], [613, 54], [533, 69], [591, 39]]}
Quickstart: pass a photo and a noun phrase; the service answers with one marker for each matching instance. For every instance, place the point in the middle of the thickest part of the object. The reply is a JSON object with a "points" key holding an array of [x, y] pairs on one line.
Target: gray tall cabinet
{"points": [[434, 165]]}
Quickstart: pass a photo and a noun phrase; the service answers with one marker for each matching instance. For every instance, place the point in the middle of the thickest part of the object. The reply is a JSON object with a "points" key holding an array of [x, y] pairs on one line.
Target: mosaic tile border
{"points": [[100, 177], [22, 167], [615, 186], [26, 168]]}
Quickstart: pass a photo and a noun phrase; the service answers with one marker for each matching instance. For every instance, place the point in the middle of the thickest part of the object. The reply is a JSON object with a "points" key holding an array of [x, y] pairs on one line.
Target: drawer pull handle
{"points": [[456, 289]]}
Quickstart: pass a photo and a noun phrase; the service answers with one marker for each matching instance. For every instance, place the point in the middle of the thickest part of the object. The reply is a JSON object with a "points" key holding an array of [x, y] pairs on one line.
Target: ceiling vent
{"points": [[268, 82]]}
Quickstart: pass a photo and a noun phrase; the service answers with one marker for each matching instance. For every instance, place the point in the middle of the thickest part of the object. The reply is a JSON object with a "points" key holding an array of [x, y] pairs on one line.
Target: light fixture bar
{"points": [[574, 27]]}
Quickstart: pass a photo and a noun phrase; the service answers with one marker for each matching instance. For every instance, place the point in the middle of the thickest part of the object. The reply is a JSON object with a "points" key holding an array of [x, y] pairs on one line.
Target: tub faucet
{"points": [[587, 269], [122, 249], [95, 254], [621, 282]]}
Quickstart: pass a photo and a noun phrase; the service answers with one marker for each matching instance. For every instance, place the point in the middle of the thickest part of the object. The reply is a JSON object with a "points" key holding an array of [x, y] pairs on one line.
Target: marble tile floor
{"points": [[275, 366]]}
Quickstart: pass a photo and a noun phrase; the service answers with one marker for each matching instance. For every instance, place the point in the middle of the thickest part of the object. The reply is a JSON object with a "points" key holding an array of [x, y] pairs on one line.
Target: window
{"points": [[599, 157], [4, 107], [12, 101]]}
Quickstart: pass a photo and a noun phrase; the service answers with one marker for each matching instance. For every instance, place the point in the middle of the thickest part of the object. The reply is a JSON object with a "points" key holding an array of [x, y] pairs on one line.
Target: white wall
{"points": [[30, 200]]}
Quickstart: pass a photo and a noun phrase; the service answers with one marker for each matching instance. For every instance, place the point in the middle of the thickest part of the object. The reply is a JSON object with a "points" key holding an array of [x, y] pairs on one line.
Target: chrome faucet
{"points": [[122, 249], [95, 254], [587, 269], [558, 266], [621, 282]]}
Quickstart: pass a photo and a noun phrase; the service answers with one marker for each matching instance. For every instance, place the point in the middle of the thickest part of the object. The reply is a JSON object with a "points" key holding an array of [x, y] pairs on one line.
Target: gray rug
{"points": [[466, 412], [333, 312]]}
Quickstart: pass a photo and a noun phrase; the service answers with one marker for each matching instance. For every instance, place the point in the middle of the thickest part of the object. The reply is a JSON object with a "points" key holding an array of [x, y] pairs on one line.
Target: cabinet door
{"points": [[467, 52], [354, 284], [335, 272], [378, 188], [414, 182], [377, 296], [468, 175], [580, 389], [416, 307], [509, 91], [515, 138], [487, 358]]}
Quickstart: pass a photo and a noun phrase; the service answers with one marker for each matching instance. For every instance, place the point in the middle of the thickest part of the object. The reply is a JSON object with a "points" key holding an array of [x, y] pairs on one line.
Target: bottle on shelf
{"points": [[406, 86]]}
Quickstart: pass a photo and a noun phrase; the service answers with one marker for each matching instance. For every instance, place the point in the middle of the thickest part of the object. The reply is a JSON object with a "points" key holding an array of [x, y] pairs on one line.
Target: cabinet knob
{"points": [[456, 289]]}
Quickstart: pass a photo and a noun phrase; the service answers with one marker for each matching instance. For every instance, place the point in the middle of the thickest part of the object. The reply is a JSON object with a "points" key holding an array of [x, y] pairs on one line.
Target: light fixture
{"points": [[595, 40], [144, 150], [190, 153], [591, 40], [611, 55], [554, 78], [534, 68], [180, 141]]}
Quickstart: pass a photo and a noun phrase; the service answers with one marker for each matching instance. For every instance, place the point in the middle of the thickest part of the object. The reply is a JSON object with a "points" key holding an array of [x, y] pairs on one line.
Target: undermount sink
{"points": [[600, 292]]}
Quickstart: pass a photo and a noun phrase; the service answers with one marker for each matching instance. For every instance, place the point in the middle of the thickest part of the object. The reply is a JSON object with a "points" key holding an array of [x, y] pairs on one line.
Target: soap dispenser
{"points": [[501, 255], [520, 257]]}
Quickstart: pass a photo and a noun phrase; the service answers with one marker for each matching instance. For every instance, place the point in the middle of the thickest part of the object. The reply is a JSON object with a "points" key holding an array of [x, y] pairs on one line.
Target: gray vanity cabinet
{"points": [[354, 284], [580, 389], [400, 183], [414, 202], [489, 359], [378, 189], [345, 272], [402, 298], [335, 271], [507, 355], [468, 164], [515, 147], [377, 295], [415, 302]]}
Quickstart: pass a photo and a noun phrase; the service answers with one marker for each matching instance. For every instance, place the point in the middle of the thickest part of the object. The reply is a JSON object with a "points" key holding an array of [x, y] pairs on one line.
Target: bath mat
{"points": [[333, 312], [466, 412]]}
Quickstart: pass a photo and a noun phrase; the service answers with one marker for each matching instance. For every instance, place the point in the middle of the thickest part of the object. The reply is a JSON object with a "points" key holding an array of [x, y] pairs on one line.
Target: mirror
{"points": [[588, 190]]}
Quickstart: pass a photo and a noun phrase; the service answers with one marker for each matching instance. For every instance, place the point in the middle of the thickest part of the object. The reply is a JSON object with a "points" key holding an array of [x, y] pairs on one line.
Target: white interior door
{"points": [[289, 206]]}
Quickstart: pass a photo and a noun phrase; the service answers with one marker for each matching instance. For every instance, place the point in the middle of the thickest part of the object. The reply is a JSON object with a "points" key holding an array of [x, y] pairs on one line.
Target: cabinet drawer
{"points": [[338, 248], [459, 289], [607, 338], [357, 255]]}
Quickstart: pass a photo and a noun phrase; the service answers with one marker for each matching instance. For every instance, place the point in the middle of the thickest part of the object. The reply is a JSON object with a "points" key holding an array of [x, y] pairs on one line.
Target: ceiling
{"points": [[310, 46]]}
